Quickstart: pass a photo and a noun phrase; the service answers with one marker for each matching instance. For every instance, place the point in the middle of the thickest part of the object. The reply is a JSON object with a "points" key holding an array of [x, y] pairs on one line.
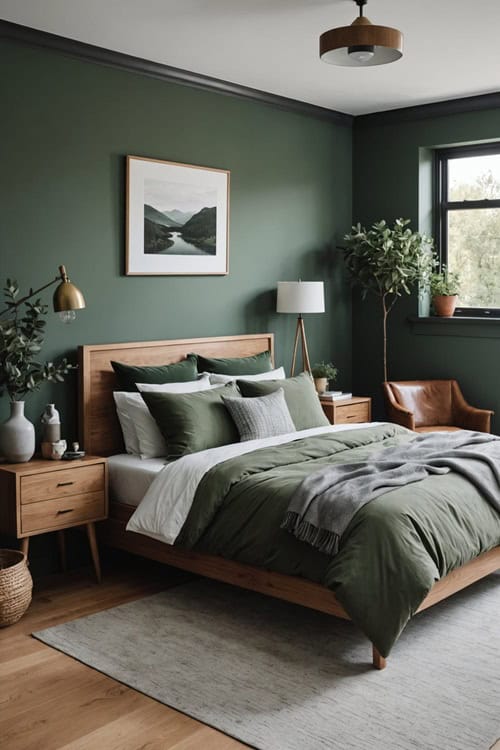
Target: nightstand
{"points": [[40, 496], [349, 410]]}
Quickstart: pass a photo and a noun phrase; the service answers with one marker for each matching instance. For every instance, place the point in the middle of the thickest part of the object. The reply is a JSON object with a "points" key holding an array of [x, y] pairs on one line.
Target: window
{"points": [[468, 224]]}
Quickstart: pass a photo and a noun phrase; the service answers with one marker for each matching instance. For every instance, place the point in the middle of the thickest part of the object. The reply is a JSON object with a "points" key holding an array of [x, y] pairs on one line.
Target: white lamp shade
{"points": [[300, 297]]}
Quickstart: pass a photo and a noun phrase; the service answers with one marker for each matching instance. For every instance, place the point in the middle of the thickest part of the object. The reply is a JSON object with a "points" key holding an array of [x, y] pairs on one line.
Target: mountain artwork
{"points": [[179, 221], [177, 218]]}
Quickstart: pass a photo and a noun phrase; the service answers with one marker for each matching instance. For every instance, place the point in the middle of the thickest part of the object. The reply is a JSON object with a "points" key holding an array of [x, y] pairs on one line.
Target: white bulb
{"points": [[67, 316], [362, 56], [362, 53]]}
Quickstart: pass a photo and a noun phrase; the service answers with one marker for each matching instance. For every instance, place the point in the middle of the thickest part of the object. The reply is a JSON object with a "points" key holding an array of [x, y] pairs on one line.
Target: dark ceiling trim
{"points": [[102, 56], [89, 52], [435, 109]]}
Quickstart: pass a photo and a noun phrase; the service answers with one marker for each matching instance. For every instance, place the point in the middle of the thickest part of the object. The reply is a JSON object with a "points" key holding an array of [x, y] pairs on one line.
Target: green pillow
{"points": [[253, 365], [178, 372], [192, 422], [300, 396]]}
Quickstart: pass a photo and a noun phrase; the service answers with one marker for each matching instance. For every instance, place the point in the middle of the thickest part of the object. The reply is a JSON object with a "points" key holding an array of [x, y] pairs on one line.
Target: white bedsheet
{"points": [[130, 476], [166, 504]]}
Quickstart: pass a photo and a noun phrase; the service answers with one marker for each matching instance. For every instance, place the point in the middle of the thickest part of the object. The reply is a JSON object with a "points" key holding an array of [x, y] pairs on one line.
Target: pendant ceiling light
{"points": [[361, 44]]}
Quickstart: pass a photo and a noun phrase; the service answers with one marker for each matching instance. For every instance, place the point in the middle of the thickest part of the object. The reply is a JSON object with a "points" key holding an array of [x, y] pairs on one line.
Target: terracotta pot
{"points": [[321, 384], [444, 304]]}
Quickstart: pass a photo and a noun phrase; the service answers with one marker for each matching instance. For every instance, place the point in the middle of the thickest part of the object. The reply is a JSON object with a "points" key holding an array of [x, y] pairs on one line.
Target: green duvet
{"points": [[391, 554]]}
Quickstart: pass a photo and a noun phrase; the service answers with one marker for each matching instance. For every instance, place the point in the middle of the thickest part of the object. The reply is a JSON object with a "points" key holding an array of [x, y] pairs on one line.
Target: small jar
{"points": [[51, 424]]}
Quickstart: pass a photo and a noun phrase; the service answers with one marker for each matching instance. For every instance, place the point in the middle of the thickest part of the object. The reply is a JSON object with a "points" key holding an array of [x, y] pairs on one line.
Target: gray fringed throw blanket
{"points": [[326, 501]]}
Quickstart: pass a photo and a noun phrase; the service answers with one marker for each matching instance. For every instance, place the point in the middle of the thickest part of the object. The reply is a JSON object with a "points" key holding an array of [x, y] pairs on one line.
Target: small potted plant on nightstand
{"points": [[322, 372], [444, 286]]}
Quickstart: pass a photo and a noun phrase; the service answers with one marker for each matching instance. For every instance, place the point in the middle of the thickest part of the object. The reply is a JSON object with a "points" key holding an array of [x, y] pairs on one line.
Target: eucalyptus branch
{"points": [[13, 304], [22, 334]]}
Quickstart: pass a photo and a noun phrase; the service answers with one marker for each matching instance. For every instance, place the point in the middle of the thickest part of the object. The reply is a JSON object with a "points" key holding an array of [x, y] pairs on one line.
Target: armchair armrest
{"points": [[395, 412], [478, 420], [467, 416]]}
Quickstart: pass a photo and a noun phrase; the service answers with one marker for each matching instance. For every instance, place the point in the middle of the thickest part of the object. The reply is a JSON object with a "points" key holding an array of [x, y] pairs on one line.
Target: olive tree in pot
{"points": [[388, 262], [21, 340]]}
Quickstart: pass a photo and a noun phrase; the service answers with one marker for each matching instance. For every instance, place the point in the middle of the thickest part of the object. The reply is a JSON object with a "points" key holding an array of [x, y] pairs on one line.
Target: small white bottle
{"points": [[51, 424]]}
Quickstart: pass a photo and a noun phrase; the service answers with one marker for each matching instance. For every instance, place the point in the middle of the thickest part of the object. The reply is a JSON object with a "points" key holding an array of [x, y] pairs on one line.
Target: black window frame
{"points": [[443, 206]]}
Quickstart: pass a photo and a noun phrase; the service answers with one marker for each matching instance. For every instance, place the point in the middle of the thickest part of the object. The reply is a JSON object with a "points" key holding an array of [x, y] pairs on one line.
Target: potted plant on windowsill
{"points": [[21, 339], [444, 288], [323, 372]]}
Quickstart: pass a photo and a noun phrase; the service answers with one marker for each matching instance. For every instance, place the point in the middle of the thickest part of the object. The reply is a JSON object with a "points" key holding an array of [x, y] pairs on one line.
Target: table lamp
{"points": [[300, 297]]}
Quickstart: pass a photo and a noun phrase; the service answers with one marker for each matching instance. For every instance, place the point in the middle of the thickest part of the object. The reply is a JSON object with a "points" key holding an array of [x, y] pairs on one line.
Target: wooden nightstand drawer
{"points": [[352, 410], [62, 512], [352, 413], [40, 487]]}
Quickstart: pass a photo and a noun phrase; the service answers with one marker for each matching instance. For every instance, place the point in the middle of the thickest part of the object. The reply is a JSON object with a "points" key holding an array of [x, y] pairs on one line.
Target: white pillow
{"points": [[216, 378], [140, 431], [128, 430], [141, 434], [151, 441], [202, 384]]}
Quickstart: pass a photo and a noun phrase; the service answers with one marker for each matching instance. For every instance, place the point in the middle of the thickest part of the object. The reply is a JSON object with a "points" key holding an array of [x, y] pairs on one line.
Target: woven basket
{"points": [[15, 586]]}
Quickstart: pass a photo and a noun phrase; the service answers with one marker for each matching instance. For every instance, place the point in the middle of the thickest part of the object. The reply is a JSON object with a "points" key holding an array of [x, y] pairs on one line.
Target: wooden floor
{"points": [[49, 701]]}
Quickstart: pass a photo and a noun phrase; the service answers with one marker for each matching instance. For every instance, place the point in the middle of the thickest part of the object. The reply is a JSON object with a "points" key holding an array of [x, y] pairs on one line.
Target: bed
{"points": [[100, 435]]}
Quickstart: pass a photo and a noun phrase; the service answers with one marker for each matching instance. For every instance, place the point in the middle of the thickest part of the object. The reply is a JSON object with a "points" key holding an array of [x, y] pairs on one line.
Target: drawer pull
{"points": [[64, 484], [66, 510]]}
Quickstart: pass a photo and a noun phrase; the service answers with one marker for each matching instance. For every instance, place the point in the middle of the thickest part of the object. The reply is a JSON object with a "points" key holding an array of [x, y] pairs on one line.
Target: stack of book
{"points": [[335, 395]]}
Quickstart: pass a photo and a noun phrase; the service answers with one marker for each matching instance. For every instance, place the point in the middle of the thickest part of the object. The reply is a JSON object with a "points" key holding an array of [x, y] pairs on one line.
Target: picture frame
{"points": [[177, 219]]}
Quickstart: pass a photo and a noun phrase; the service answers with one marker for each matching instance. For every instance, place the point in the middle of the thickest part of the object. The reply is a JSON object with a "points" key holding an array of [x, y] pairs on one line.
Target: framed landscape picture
{"points": [[177, 218]]}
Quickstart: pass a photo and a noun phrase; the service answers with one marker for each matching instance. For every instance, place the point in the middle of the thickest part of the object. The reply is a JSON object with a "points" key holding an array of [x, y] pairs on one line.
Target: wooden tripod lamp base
{"points": [[300, 333], [300, 297]]}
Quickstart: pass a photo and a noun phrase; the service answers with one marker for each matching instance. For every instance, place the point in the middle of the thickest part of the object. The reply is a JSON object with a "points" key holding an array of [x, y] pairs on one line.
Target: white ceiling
{"points": [[452, 47]]}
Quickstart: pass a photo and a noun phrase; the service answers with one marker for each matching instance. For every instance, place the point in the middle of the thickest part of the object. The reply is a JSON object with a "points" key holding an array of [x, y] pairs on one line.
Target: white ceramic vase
{"points": [[17, 435]]}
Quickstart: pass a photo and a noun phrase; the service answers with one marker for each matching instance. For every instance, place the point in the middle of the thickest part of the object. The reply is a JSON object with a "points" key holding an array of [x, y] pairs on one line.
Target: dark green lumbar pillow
{"points": [[178, 372], [193, 422], [300, 396], [253, 365]]}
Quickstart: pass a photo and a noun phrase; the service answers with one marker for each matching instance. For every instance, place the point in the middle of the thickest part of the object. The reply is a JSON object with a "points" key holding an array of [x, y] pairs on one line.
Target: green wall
{"points": [[67, 126], [388, 161]]}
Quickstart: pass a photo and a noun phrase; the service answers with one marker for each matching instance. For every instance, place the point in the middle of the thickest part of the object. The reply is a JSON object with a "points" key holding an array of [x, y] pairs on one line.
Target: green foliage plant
{"points": [[444, 283], [388, 262], [22, 333], [324, 370]]}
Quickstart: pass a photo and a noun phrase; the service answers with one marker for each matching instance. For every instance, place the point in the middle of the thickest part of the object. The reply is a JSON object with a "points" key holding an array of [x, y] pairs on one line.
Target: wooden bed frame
{"points": [[100, 435]]}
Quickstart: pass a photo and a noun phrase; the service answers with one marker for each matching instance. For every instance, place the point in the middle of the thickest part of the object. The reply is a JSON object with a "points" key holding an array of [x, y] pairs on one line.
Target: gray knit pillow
{"points": [[260, 417]]}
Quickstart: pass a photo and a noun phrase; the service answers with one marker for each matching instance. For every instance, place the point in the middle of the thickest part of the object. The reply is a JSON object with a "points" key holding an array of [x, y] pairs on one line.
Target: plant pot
{"points": [[17, 435], [444, 305], [321, 384]]}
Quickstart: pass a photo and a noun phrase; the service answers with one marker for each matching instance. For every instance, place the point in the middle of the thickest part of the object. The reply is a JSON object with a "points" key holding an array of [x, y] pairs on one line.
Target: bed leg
{"points": [[379, 661]]}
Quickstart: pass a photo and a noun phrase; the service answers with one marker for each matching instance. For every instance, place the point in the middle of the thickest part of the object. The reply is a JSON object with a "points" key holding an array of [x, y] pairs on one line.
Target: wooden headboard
{"points": [[99, 428]]}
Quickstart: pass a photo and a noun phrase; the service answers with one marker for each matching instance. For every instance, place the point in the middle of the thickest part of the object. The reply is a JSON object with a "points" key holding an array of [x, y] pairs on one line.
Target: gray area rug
{"points": [[281, 677]]}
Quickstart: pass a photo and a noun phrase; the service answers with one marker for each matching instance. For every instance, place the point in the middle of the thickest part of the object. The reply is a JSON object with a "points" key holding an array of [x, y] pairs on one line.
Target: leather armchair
{"points": [[432, 405]]}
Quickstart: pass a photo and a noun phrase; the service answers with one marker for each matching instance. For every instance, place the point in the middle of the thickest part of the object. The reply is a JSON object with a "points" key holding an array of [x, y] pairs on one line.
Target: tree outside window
{"points": [[468, 191]]}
